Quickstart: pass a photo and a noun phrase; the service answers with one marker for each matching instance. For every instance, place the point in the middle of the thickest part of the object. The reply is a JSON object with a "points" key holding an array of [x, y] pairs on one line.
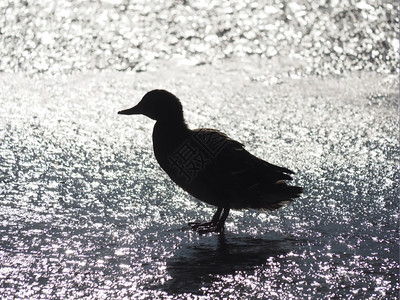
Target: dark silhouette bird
{"points": [[209, 165]]}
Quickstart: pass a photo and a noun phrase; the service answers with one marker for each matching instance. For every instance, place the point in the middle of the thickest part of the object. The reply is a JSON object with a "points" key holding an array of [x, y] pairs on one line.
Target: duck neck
{"points": [[172, 124], [167, 136]]}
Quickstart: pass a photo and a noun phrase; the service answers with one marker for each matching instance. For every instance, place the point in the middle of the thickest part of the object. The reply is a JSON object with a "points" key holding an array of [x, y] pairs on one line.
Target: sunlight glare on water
{"points": [[86, 211], [313, 37]]}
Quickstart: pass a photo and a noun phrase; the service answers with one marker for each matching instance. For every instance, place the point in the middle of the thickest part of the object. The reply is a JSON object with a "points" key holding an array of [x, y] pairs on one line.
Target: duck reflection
{"points": [[196, 266]]}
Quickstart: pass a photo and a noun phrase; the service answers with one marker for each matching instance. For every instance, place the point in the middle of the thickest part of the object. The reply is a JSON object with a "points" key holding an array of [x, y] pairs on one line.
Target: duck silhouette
{"points": [[211, 166]]}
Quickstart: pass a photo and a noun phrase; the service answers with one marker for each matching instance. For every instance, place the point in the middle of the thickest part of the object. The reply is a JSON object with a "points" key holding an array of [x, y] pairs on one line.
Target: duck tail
{"points": [[289, 190], [280, 195]]}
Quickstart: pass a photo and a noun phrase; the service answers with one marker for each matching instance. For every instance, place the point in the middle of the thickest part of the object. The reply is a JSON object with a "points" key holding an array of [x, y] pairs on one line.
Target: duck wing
{"points": [[248, 181]]}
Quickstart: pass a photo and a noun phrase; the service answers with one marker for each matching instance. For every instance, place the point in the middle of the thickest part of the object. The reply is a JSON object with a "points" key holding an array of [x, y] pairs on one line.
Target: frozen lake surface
{"points": [[86, 212]]}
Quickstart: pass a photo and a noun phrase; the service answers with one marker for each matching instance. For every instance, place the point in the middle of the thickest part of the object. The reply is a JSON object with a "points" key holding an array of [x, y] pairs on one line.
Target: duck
{"points": [[211, 166]]}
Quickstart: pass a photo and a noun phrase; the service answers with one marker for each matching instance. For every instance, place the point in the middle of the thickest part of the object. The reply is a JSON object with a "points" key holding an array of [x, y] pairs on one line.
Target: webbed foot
{"points": [[205, 227], [216, 225]]}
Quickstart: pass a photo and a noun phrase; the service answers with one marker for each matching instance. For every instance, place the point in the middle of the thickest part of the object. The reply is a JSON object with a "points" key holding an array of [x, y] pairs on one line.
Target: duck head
{"points": [[159, 105]]}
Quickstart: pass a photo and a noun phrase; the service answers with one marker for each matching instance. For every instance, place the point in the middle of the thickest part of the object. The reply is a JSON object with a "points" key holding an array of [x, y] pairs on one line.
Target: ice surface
{"points": [[86, 212]]}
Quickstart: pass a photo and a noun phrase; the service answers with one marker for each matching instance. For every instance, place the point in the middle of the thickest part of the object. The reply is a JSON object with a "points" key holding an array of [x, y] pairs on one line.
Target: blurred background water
{"points": [[85, 211], [317, 37]]}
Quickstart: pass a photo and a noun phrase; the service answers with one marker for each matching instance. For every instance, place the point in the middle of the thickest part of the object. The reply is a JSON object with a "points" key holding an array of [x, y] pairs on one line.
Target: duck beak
{"points": [[131, 111]]}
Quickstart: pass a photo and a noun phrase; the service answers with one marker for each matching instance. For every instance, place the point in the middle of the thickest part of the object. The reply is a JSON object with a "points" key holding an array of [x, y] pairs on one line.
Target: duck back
{"points": [[218, 170]]}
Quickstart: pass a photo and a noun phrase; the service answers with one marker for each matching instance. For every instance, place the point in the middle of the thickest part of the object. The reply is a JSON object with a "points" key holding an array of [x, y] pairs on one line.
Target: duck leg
{"points": [[217, 223], [203, 225], [221, 222]]}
